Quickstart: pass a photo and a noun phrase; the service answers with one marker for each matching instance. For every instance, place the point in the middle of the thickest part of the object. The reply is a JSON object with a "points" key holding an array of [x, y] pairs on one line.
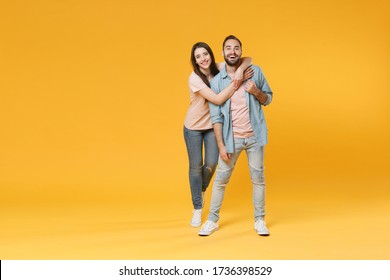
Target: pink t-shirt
{"points": [[242, 127], [198, 114]]}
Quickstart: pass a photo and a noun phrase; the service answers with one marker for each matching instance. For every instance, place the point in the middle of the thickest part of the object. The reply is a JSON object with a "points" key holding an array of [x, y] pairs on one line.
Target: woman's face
{"points": [[202, 58]]}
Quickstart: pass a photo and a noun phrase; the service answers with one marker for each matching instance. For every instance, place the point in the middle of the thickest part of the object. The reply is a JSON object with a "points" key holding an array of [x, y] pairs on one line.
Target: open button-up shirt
{"points": [[222, 114]]}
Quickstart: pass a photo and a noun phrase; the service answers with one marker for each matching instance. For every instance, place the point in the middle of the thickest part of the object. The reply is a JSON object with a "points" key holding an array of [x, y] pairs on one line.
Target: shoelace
{"points": [[208, 225], [197, 213], [260, 224]]}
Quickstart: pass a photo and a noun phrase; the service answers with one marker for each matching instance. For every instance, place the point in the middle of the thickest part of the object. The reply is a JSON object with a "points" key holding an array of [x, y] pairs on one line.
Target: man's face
{"points": [[232, 52]]}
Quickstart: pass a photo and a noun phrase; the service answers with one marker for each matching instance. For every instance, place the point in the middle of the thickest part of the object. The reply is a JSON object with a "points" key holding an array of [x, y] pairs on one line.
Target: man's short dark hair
{"points": [[231, 37]]}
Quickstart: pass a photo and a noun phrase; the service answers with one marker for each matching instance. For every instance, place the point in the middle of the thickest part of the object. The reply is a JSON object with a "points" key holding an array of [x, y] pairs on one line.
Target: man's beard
{"points": [[230, 63]]}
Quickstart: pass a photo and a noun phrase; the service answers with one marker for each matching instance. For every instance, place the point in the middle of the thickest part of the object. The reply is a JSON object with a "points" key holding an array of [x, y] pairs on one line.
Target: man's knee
{"points": [[222, 177], [257, 176]]}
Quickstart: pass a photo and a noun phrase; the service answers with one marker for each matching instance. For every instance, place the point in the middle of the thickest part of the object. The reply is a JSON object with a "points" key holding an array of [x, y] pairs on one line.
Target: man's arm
{"points": [[221, 145], [215, 110], [260, 89], [251, 87], [217, 120]]}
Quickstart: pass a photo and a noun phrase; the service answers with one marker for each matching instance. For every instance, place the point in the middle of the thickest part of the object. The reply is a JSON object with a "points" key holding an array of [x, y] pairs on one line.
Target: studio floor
{"points": [[309, 221]]}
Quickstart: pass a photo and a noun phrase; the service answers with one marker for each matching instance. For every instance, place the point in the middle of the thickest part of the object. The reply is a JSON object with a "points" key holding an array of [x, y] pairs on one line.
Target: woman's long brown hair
{"points": [[213, 66]]}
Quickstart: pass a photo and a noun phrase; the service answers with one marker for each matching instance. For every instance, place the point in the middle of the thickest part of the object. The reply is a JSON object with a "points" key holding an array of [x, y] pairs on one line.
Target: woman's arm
{"points": [[218, 99]]}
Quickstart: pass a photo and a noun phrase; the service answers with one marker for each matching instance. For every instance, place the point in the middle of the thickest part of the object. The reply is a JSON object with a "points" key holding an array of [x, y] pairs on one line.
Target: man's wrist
{"points": [[220, 144], [265, 98], [262, 96], [258, 94]]}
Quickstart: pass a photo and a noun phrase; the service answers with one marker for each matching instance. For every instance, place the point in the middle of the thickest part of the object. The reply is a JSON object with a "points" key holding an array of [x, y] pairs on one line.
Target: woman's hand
{"points": [[238, 78], [248, 73]]}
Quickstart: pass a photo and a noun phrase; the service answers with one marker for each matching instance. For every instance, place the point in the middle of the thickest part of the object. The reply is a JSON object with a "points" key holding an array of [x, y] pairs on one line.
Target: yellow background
{"points": [[93, 97]]}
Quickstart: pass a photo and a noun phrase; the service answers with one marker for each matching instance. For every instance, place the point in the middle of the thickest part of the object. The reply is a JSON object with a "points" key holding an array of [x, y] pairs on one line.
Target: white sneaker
{"points": [[196, 217], [261, 228], [208, 228]]}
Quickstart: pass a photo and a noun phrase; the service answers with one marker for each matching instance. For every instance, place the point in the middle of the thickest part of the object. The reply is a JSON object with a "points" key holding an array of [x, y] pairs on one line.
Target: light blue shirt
{"points": [[222, 113]]}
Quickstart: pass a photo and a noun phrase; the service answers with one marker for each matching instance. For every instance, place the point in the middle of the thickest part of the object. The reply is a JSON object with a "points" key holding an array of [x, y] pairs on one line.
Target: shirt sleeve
{"points": [[264, 87], [196, 83], [215, 110]]}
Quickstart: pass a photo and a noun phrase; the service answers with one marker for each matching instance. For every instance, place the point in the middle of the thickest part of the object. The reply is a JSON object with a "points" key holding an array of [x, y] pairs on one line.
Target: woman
{"points": [[198, 130]]}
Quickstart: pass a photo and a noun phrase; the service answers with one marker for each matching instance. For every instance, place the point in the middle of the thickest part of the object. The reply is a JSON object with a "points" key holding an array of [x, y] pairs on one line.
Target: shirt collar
{"points": [[223, 73]]}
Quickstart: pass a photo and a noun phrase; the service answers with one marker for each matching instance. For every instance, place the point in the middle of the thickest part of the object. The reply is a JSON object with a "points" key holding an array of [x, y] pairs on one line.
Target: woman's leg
{"points": [[211, 157], [194, 143]]}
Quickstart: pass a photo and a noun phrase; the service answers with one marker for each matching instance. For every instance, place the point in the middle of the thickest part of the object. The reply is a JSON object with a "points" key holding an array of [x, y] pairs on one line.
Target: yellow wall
{"points": [[94, 93]]}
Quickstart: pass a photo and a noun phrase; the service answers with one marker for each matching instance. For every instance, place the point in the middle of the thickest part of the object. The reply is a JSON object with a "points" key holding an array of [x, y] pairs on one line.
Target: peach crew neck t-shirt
{"points": [[198, 114], [242, 127]]}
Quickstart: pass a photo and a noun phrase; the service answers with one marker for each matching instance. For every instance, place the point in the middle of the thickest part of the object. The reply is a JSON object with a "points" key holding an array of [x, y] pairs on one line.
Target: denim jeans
{"points": [[255, 154], [200, 172]]}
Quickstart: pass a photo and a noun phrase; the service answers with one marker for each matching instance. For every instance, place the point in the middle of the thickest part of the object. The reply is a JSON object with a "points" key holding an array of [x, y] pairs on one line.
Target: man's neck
{"points": [[231, 70]]}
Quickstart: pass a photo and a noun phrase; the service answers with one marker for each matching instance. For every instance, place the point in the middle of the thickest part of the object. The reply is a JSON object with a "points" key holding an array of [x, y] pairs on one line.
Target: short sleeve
{"points": [[196, 83]]}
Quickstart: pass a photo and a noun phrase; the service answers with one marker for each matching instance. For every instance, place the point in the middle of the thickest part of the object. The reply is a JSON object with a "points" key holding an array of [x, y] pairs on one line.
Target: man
{"points": [[239, 124]]}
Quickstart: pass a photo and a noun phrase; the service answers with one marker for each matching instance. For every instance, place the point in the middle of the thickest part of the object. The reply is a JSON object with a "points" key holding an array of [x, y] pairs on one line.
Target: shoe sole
{"points": [[263, 234], [207, 233], [196, 225]]}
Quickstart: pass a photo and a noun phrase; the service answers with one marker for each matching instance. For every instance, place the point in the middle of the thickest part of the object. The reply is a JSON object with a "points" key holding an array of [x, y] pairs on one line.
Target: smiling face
{"points": [[202, 58], [232, 52]]}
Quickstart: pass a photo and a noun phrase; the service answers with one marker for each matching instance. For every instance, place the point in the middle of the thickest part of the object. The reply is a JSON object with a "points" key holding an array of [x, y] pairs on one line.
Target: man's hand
{"points": [[224, 155], [250, 87]]}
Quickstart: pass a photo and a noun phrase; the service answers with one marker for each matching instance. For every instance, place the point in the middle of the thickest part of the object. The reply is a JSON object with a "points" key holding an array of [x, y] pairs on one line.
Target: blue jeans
{"points": [[255, 154], [200, 172]]}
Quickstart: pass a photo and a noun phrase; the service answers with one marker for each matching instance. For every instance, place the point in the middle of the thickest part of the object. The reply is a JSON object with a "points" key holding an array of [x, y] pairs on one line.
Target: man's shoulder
{"points": [[256, 67], [258, 74], [215, 79]]}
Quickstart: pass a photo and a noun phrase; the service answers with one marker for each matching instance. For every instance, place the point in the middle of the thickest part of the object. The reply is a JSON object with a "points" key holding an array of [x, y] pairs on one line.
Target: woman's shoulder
{"points": [[193, 75], [195, 82], [194, 78]]}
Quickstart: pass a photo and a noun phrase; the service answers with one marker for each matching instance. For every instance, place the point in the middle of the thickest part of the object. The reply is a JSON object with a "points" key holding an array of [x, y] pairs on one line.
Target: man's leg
{"points": [[222, 177], [223, 174], [255, 155]]}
